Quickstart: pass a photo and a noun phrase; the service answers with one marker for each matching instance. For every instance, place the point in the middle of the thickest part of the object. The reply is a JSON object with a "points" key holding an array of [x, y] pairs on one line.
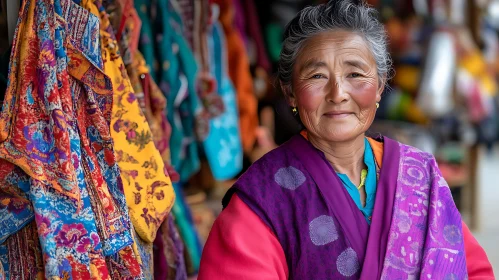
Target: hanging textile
{"points": [[248, 25], [22, 255], [55, 127], [223, 145], [175, 70], [240, 75], [147, 187], [169, 253]]}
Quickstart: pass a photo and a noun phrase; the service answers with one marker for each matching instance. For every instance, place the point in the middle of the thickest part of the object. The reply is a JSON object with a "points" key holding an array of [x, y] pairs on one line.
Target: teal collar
{"points": [[370, 184]]}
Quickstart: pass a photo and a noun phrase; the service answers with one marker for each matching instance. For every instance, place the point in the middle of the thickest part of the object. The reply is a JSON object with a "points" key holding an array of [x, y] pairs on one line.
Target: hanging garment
{"points": [[240, 75], [169, 253], [147, 187], [21, 255], [189, 11], [59, 100], [248, 25], [175, 70], [188, 233], [223, 147]]}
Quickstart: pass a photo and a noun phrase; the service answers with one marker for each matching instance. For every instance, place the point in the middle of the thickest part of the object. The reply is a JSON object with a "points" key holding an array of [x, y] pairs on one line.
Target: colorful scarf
{"points": [[147, 187], [415, 232]]}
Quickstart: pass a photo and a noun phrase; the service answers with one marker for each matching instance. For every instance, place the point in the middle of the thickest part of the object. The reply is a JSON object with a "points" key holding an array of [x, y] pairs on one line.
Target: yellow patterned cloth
{"points": [[147, 186]]}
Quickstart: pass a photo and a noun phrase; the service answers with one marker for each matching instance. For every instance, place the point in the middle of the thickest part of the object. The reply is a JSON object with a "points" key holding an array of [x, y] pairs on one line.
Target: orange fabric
{"points": [[377, 148], [239, 71]]}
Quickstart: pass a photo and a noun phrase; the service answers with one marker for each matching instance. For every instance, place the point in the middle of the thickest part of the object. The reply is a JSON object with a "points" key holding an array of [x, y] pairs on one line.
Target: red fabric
{"points": [[241, 246], [479, 267]]}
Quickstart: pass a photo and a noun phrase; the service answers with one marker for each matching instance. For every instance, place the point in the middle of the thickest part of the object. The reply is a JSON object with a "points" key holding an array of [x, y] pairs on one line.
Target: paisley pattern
{"points": [[426, 228]]}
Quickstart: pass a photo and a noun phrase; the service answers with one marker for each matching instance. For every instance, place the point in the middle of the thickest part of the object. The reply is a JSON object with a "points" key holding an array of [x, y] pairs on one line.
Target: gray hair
{"points": [[347, 15]]}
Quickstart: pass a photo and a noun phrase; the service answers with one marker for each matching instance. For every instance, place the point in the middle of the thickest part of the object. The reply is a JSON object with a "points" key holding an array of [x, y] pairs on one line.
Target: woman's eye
{"points": [[317, 76], [354, 75]]}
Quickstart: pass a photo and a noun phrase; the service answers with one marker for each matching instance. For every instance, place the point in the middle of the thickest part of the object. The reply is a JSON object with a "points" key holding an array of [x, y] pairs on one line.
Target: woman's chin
{"points": [[340, 134]]}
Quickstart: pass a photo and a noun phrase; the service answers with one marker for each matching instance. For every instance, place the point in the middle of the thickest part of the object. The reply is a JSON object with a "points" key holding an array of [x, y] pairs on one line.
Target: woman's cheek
{"points": [[309, 96], [364, 93]]}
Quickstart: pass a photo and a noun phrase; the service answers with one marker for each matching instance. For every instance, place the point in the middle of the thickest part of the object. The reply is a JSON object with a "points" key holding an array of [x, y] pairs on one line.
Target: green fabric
{"points": [[370, 184], [273, 36]]}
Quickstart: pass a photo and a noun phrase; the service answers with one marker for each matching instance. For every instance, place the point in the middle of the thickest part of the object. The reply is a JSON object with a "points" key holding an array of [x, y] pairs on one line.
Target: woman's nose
{"points": [[336, 93]]}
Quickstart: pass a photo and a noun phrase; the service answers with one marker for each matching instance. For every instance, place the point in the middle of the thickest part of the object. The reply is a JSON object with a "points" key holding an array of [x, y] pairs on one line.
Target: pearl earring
{"points": [[377, 105]]}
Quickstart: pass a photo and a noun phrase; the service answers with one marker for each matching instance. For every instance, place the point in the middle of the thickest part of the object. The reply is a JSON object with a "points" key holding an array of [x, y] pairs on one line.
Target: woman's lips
{"points": [[337, 115]]}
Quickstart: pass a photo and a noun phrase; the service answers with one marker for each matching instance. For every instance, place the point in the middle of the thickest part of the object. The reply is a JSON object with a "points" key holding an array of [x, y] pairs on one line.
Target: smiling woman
{"points": [[332, 203]]}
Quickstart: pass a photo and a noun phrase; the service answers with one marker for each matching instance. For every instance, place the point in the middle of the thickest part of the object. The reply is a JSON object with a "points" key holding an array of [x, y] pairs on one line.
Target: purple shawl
{"points": [[415, 232]]}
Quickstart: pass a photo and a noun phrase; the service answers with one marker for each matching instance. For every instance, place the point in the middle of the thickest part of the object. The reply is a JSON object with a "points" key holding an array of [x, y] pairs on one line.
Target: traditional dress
{"points": [[291, 217]]}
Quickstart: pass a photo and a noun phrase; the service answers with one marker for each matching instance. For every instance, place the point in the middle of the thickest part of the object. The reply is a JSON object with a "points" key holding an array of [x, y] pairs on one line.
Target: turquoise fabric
{"points": [[370, 185], [175, 71], [223, 146]]}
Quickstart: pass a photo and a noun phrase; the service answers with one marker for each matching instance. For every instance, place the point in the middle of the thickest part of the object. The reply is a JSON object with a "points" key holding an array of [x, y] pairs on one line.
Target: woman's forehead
{"points": [[334, 44]]}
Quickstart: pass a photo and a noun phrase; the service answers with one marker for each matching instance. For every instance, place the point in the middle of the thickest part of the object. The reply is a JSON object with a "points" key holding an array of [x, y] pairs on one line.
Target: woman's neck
{"points": [[345, 157]]}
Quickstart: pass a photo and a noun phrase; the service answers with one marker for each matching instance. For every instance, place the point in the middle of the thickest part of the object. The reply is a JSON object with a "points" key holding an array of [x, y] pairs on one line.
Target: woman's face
{"points": [[336, 86]]}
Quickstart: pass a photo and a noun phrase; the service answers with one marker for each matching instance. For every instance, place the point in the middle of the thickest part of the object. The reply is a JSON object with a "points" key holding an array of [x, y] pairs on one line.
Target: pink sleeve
{"points": [[479, 267], [241, 246]]}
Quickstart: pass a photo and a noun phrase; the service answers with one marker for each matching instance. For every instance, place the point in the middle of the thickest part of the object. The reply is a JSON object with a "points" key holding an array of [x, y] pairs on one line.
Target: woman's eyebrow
{"points": [[357, 64], [313, 64]]}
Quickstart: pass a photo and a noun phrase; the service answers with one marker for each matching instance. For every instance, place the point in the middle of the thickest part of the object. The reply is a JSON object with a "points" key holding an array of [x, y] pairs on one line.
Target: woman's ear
{"points": [[288, 93], [381, 88]]}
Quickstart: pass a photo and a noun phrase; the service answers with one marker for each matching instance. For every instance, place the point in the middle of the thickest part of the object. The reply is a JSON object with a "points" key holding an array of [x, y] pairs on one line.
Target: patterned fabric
{"points": [[223, 146], [15, 207], [145, 251], [425, 239], [147, 187], [169, 253], [423, 198], [60, 101], [153, 104], [174, 68], [24, 254]]}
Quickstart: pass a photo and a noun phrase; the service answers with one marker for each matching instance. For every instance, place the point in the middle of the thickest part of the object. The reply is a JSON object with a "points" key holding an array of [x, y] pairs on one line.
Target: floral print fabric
{"points": [[60, 100], [147, 186]]}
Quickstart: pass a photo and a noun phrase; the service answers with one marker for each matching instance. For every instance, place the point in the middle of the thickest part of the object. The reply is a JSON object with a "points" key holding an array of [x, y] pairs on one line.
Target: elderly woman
{"points": [[331, 203]]}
